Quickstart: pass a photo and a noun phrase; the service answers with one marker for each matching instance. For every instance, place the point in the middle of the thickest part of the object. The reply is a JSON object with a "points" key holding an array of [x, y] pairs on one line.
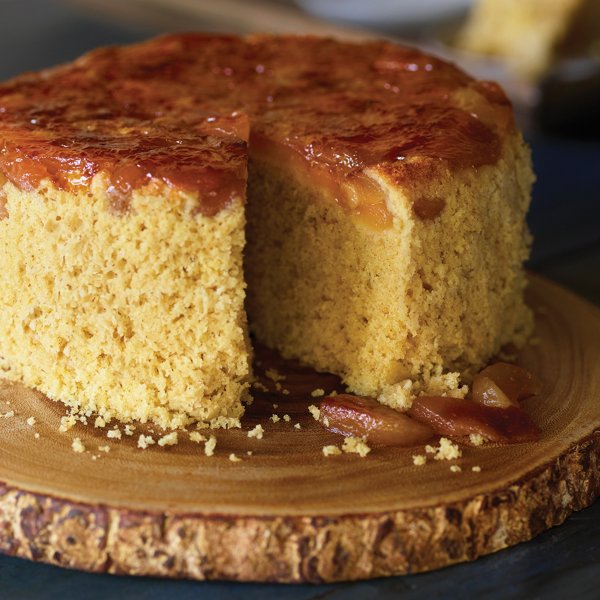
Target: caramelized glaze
{"points": [[179, 109]]}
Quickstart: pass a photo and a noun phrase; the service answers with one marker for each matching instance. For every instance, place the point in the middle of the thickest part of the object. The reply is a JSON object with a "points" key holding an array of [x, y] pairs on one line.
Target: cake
{"points": [[375, 195], [531, 34]]}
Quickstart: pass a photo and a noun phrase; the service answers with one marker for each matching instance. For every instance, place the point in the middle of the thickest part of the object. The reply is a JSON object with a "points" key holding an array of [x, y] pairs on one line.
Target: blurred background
{"points": [[545, 53]]}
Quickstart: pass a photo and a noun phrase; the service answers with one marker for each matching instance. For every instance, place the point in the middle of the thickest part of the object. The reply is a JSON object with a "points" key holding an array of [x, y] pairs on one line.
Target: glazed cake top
{"points": [[180, 109]]}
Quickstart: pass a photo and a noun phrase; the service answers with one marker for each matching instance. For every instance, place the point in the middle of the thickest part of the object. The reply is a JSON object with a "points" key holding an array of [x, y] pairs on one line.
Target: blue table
{"points": [[565, 219]]}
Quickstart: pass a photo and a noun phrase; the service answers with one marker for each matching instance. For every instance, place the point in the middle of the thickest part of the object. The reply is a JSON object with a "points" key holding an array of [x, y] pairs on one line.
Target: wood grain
{"points": [[288, 514]]}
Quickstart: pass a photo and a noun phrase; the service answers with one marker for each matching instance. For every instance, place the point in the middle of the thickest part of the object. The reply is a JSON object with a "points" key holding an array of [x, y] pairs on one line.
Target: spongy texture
{"points": [[134, 316], [378, 306]]}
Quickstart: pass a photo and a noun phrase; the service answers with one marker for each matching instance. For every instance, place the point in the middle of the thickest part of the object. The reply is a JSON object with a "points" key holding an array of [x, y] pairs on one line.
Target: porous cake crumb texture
{"points": [[136, 315], [378, 307]]}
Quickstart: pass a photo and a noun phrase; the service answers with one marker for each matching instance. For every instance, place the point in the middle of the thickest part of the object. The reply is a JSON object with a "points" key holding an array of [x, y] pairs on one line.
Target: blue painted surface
{"points": [[560, 564]]}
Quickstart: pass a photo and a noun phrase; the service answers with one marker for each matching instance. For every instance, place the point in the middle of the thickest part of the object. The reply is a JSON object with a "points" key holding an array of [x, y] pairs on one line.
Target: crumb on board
{"points": [[234, 458], [297, 426], [285, 392], [249, 452], [356, 445], [99, 422], [476, 469], [36, 435], [274, 375], [447, 450], [275, 418], [78, 445], [331, 450], [257, 432], [104, 448], [114, 434], [30, 421], [197, 437], [8, 414], [210, 445], [455, 468], [261, 387], [169, 439], [278, 386], [419, 459], [317, 393], [67, 422], [275, 406], [287, 418], [144, 441], [314, 411], [129, 429]]}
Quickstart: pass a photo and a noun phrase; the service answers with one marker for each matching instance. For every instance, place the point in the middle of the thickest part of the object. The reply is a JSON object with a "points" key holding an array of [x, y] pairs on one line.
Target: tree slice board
{"points": [[287, 513]]}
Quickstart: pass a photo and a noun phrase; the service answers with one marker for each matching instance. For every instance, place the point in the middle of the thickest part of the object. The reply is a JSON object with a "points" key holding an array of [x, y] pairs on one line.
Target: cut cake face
{"points": [[386, 230]]}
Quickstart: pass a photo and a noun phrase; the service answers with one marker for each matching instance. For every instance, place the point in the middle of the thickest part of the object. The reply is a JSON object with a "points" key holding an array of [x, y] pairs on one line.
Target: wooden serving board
{"points": [[286, 513]]}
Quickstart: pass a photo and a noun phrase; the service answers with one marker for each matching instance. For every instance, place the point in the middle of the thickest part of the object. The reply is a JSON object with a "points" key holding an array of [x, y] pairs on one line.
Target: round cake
{"points": [[361, 206]]}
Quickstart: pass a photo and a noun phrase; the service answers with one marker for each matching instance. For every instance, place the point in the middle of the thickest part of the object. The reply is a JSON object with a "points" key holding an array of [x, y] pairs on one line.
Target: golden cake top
{"points": [[180, 109]]}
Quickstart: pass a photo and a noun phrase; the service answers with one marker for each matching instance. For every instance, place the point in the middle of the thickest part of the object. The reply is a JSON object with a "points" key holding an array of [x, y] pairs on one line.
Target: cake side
{"points": [[441, 287], [132, 315]]}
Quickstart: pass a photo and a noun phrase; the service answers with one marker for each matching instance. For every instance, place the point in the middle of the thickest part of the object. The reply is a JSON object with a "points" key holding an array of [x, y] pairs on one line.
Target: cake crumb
{"points": [[331, 450], [285, 392], [210, 445], [30, 421], [36, 435], [104, 448], [67, 422], [278, 386], [129, 429], [275, 418], [275, 406], [447, 450], [99, 422], [419, 459], [94, 456], [144, 441], [170, 439], [261, 387], [78, 446], [197, 437], [274, 375], [234, 458], [476, 439], [257, 432], [399, 395], [8, 414], [114, 433], [356, 445], [297, 426], [249, 452], [314, 411], [287, 418], [326, 421], [318, 393], [476, 469], [455, 468]]}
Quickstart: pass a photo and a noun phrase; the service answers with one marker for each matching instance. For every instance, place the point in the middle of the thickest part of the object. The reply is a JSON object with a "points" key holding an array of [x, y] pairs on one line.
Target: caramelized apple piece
{"points": [[360, 416], [460, 417], [503, 385]]}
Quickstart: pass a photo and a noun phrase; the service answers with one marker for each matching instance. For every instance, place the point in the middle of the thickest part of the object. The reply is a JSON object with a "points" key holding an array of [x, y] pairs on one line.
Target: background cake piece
{"points": [[530, 34]]}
